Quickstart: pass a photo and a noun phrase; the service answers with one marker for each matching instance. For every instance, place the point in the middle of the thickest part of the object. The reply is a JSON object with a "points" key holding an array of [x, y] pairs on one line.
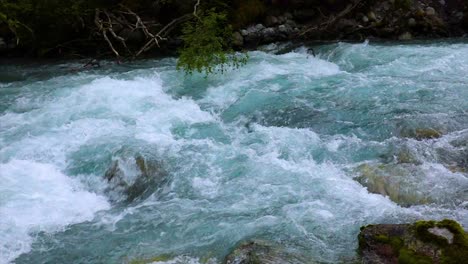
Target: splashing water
{"points": [[267, 152]]}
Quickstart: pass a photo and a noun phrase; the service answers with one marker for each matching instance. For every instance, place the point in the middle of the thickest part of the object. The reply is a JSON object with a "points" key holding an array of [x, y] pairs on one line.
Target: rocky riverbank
{"points": [[258, 22], [396, 20], [423, 242]]}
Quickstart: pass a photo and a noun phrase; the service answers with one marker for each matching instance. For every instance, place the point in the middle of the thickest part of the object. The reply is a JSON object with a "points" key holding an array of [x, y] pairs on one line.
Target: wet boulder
{"points": [[394, 181], [271, 21], [134, 178], [237, 39], [261, 252], [456, 160], [405, 36], [421, 242]]}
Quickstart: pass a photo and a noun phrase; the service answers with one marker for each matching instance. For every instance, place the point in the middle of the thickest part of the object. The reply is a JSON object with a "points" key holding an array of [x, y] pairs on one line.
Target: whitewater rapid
{"points": [[267, 152]]}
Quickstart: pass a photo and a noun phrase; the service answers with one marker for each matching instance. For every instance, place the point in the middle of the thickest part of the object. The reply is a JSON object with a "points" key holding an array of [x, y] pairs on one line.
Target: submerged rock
{"points": [[422, 242], [134, 178], [421, 133], [261, 252], [392, 181]]}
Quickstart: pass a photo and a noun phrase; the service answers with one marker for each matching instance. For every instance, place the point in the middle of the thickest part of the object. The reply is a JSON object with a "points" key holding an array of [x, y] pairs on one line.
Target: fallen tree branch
{"points": [[332, 19], [125, 17], [99, 23]]}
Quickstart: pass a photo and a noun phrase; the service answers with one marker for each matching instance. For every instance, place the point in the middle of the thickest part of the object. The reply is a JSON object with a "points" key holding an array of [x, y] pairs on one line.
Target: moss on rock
{"points": [[455, 252], [413, 243]]}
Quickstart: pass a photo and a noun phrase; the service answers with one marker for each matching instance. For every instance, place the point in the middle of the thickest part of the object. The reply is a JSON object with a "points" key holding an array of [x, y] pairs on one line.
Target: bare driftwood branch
{"points": [[332, 19], [195, 9], [99, 23], [126, 18]]}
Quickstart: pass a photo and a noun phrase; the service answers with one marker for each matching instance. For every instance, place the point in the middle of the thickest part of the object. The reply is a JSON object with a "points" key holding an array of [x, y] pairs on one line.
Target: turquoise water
{"points": [[266, 152]]}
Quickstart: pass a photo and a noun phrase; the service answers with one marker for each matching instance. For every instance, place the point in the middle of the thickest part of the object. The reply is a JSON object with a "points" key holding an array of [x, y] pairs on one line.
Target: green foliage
{"points": [[10, 13], [44, 27], [37, 23], [207, 45]]}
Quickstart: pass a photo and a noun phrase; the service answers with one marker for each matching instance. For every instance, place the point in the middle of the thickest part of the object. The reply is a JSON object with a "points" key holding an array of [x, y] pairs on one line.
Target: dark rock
{"points": [[288, 15], [132, 36], [405, 36], [237, 39], [430, 11], [134, 178], [285, 29], [365, 19], [371, 15], [464, 22], [3, 45], [261, 252], [421, 242], [7, 44], [304, 15], [271, 21]]}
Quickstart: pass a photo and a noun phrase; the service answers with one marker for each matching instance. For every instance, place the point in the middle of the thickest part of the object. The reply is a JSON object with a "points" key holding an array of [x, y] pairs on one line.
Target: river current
{"points": [[271, 151]]}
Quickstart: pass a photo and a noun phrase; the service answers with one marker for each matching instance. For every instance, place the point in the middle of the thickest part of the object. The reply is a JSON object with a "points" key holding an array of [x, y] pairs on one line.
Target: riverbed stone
{"points": [[392, 181], [365, 19], [303, 15], [371, 15], [430, 11], [405, 36], [237, 39], [261, 252], [414, 243], [2, 43], [271, 21]]}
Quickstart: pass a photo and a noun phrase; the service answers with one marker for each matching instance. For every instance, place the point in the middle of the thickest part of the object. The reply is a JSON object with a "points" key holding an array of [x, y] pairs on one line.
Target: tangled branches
{"points": [[332, 20], [124, 18]]}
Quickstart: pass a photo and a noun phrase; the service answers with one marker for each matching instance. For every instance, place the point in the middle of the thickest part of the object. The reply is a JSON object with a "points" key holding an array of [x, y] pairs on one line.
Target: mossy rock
{"points": [[443, 242], [392, 181]]}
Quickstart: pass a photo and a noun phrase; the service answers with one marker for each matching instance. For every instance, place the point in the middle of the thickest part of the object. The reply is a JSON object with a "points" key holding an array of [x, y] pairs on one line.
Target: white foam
{"points": [[37, 197], [265, 66], [185, 260]]}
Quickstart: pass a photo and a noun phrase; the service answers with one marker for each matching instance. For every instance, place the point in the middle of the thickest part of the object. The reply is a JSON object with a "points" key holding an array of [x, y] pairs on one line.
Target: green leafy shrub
{"points": [[207, 45]]}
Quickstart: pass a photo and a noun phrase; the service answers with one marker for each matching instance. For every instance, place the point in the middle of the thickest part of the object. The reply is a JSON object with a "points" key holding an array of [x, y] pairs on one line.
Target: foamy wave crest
{"points": [[36, 197]]}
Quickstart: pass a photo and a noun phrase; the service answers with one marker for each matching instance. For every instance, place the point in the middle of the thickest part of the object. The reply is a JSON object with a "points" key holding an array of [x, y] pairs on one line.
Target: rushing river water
{"points": [[270, 152]]}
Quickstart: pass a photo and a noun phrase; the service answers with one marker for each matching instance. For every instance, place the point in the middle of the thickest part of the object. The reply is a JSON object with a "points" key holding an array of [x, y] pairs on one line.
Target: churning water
{"points": [[270, 151]]}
